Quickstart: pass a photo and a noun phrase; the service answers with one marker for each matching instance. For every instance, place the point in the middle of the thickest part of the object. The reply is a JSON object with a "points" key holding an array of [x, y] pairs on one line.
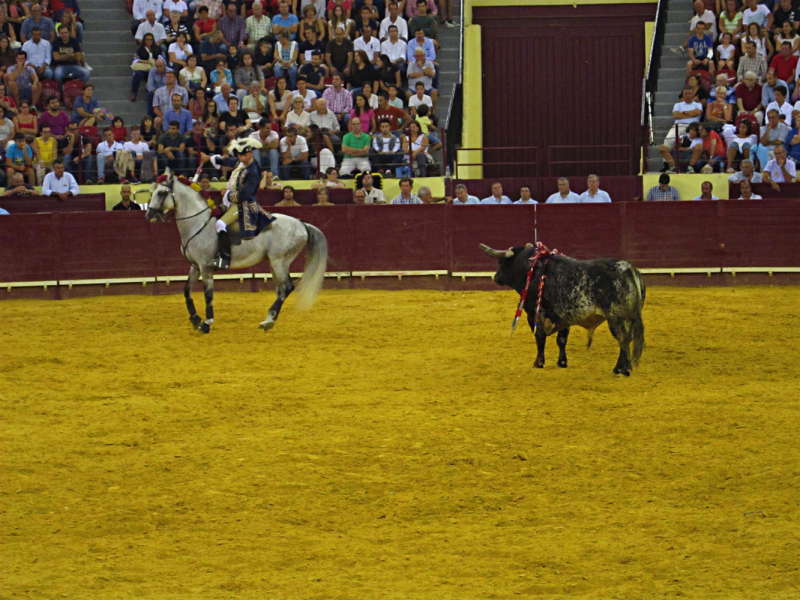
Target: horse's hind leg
{"points": [[194, 318], [283, 287], [208, 291], [621, 330]]}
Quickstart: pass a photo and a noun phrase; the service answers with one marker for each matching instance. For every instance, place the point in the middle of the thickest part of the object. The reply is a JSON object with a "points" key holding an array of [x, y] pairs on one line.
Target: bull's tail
{"points": [[637, 327]]}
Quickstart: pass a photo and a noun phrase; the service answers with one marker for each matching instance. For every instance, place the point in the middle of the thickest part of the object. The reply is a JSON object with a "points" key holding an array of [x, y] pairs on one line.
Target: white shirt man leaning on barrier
{"points": [[594, 193], [564, 195]]}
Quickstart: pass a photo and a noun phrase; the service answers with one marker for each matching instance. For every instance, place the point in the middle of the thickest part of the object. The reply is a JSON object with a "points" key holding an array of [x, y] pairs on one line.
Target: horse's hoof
{"points": [[205, 328], [196, 321], [562, 364], [267, 325]]}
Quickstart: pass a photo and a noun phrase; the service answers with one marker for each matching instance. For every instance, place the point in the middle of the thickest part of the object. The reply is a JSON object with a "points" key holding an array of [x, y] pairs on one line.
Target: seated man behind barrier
{"points": [[746, 191], [779, 170], [18, 187], [663, 191], [294, 153], [594, 193], [126, 203], [462, 196], [59, 183], [705, 192], [355, 147], [372, 194], [406, 196], [564, 195], [525, 196], [497, 196], [288, 197], [747, 173]]}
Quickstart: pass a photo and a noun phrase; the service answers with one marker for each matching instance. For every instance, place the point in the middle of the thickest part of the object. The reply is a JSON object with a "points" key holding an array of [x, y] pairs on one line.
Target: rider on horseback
{"points": [[241, 199]]}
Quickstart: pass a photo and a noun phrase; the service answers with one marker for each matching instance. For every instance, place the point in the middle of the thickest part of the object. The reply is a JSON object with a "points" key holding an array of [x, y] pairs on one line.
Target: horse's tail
{"points": [[316, 263]]}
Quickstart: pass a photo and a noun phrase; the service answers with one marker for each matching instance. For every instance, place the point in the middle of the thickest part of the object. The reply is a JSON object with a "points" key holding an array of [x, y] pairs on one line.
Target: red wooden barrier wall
{"points": [[102, 245], [48, 204]]}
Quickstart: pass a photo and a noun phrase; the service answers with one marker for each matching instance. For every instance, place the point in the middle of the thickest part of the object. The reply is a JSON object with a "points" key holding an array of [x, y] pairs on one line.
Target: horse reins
{"points": [[195, 234]]}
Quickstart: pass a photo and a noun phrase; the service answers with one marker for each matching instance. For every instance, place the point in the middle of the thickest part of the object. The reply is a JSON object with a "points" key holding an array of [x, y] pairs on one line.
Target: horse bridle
{"points": [[196, 233]]}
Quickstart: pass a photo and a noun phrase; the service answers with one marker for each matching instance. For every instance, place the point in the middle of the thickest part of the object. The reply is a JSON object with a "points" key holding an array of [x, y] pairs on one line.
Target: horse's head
{"points": [[161, 198]]}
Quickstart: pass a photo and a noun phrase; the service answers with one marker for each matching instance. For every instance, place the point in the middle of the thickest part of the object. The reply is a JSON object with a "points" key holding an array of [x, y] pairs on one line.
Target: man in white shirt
{"points": [[150, 25], [137, 148], [40, 53], [294, 152], [779, 169], [419, 98], [395, 48], [757, 13], [684, 112], [783, 107], [563, 195], [105, 154], [270, 140], [525, 196], [140, 8], [372, 194], [707, 17], [747, 191], [462, 196], [394, 18], [497, 196], [59, 183], [705, 192], [594, 193], [369, 44]]}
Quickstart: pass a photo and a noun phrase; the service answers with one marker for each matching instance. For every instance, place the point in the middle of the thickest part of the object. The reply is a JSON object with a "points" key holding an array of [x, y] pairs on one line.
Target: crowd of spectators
{"points": [[740, 101]]}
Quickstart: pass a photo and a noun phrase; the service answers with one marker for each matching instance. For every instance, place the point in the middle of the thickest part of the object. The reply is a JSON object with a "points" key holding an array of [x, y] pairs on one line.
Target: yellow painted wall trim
{"points": [[553, 2], [472, 135], [689, 185]]}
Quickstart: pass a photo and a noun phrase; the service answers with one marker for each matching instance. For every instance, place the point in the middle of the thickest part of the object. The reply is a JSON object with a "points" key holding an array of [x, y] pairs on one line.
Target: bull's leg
{"points": [[283, 287], [208, 291], [541, 338], [194, 318], [561, 340], [621, 331]]}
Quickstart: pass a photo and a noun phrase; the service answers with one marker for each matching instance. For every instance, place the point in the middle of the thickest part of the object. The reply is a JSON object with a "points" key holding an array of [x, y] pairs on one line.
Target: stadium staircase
{"points": [[109, 49], [671, 76], [450, 46]]}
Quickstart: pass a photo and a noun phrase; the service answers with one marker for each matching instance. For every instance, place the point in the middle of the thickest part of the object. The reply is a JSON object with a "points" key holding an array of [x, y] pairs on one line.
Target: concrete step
{"points": [[107, 13]]}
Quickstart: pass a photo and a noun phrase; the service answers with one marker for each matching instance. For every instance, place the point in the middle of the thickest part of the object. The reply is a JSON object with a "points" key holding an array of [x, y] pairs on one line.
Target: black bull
{"points": [[578, 292]]}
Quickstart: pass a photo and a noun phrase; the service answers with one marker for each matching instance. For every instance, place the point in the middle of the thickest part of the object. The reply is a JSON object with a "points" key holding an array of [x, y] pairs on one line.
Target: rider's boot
{"points": [[224, 259]]}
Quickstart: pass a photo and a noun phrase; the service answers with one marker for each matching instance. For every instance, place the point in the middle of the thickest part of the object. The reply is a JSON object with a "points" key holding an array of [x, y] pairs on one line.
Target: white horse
{"points": [[279, 243]]}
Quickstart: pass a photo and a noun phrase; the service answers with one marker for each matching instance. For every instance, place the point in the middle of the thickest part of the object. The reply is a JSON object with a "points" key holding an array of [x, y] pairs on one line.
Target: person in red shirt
{"points": [[712, 150], [397, 117], [748, 97], [785, 64], [204, 26]]}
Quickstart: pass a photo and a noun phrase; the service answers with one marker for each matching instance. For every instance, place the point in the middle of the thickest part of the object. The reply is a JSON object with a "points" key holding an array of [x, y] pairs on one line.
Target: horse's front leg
{"points": [[194, 318], [283, 287], [208, 292]]}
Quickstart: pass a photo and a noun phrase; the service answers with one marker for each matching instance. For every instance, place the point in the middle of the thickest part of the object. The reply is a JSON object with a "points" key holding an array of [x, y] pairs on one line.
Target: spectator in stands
{"points": [[255, 104], [371, 46], [68, 57], [719, 110], [294, 153], [288, 197], [396, 117], [361, 72], [205, 25], [740, 145], [18, 187], [162, 99], [326, 121], [365, 114], [258, 26], [246, 75], [758, 36], [394, 19], [105, 154], [54, 118], [685, 112], [564, 195], [705, 192], [214, 7], [774, 133], [365, 19], [359, 197], [779, 170], [525, 196], [411, 9], [233, 28], [421, 71], [310, 45], [26, 122], [19, 158], [785, 64], [36, 19], [372, 195], [176, 26], [395, 50], [140, 151], [179, 51], [463, 197], [193, 78], [726, 53], [594, 193], [221, 76], [280, 100], [143, 63], [388, 150], [406, 196], [339, 100], [212, 50], [59, 184], [235, 116], [7, 30], [788, 34], [314, 74], [76, 148], [286, 51], [341, 19], [22, 81], [757, 13], [172, 149], [768, 89], [322, 198], [425, 21], [140, 10], [40, 53], [497, 196], [781, 105], [748, 172], [420, 41], [331, 180], [284, 21], [126, 203], [8, 56], [7, 131], [746, 191], [748, 97], [700, 50], [419, 145], [151, 25], [355, 147], [45, 150], [662, 191], [752, 62], [339, 53], [298, 117], [712, 150], [731, 21], [179, 114]]}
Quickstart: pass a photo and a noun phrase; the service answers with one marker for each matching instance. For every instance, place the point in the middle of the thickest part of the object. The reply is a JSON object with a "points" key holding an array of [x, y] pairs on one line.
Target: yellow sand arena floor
{"points": [[397, 445]]}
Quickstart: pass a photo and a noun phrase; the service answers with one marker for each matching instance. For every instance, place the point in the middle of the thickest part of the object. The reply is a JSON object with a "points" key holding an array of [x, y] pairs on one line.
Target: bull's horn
{"points": [[497, 253], [529, 245]]}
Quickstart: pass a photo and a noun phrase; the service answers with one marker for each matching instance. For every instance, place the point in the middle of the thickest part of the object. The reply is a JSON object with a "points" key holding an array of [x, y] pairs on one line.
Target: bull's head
{"points": [[506, 274]]}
